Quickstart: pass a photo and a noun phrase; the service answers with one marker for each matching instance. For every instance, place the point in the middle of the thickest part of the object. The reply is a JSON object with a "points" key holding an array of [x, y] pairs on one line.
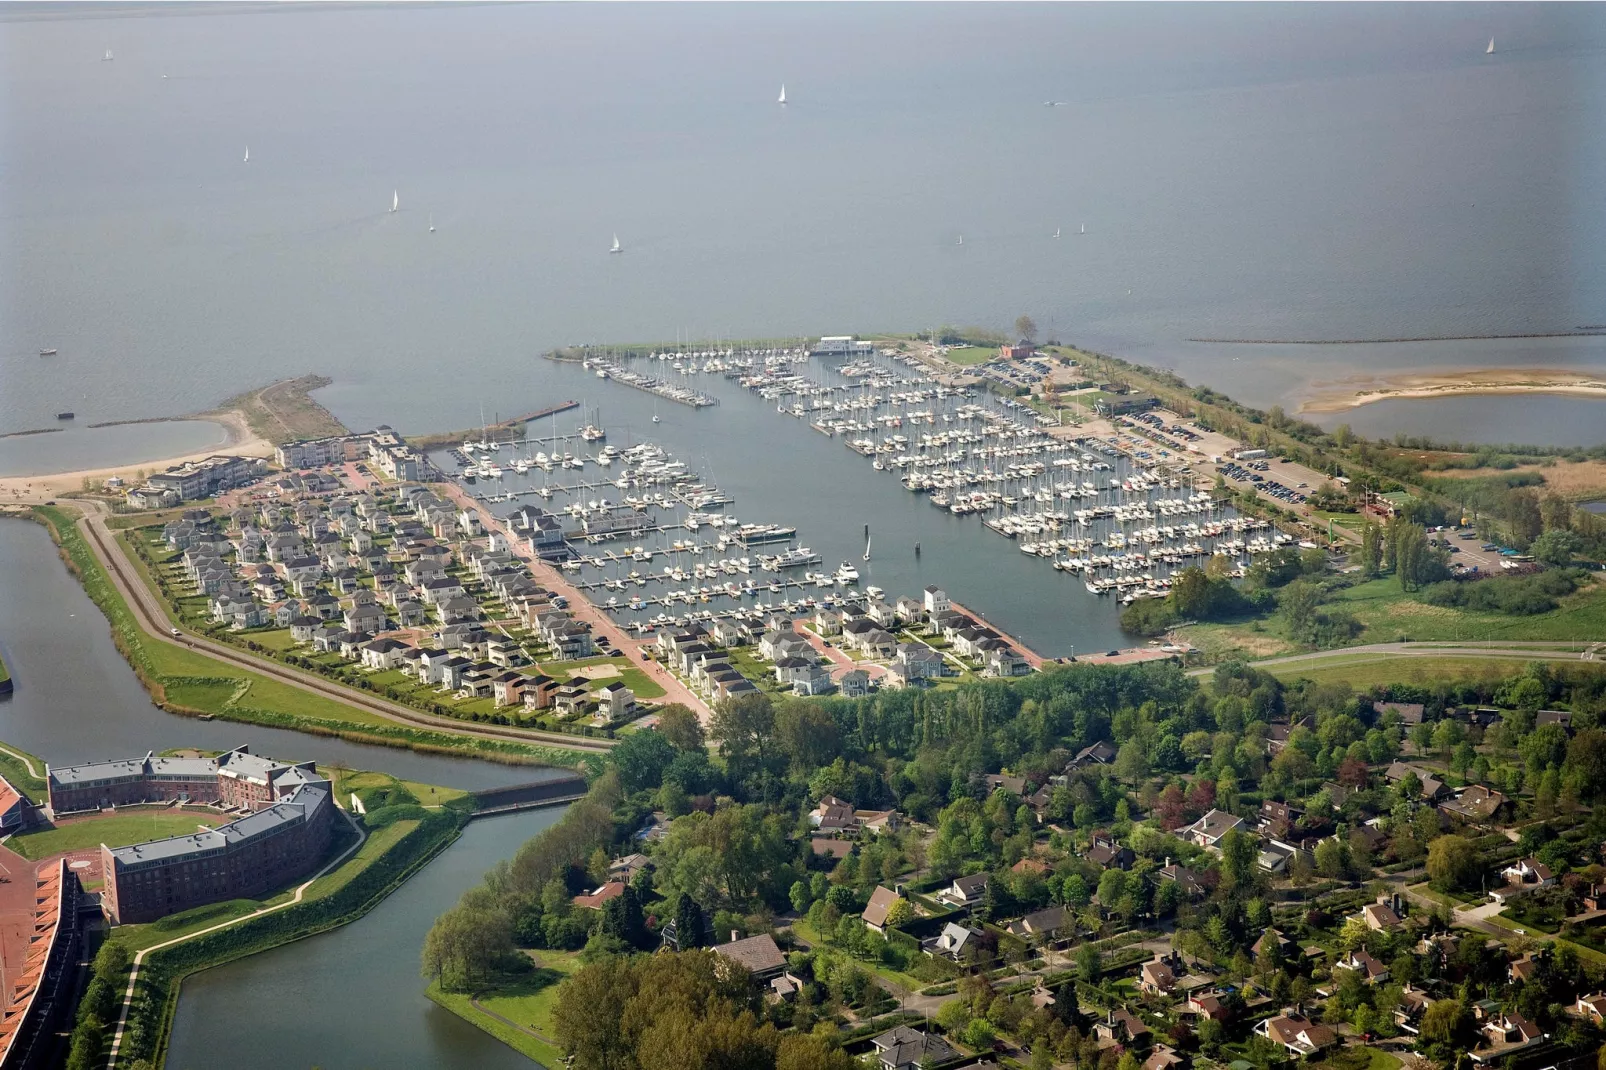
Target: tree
{"points": [[1025, 327], [1371, 549], [689, 927], [899, 913], [1089, 964], [641, 758], [678, 724], [1190, 592], [1453, 861], [1555, 547], [744, 726]]}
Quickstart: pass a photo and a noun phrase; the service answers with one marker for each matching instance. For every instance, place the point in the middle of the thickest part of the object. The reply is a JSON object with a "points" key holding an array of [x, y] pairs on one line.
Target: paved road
{"points": [[583, 608], [1535, 651], [153, 620]]}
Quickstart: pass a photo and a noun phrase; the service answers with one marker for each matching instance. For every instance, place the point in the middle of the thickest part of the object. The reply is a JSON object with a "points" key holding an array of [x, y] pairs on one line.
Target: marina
{"points": [[655, 543]]}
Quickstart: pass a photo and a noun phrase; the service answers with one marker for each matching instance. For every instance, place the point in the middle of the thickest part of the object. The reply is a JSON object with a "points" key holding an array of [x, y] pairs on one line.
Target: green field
{"points": [[528, 1005], [1390, 613], [1362, 671], [968, 355], [5, 674], [117, 830]]}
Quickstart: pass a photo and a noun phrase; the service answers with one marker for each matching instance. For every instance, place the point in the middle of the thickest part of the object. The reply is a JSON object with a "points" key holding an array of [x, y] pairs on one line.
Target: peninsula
{"points": [[1358, 390]]}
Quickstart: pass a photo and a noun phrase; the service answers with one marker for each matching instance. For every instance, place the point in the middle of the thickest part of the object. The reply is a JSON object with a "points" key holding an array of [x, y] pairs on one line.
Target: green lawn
{"points": [[640, 684], [971, 354], [1362, 671], [528, 1004], [117, 830], [5, 674], [1390, 613]]}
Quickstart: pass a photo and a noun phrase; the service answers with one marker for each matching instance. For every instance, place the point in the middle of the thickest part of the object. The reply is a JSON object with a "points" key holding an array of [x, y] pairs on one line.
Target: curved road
{"points": [[1530, 650], [153, 620]]}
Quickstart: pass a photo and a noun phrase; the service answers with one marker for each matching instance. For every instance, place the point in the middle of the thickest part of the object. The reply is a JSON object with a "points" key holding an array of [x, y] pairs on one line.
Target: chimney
{"points": [[735, 936]]}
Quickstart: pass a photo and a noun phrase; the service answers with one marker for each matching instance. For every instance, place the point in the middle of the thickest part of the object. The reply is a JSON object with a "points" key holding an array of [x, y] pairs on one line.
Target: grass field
{"points": [[968, 355], [1362, 671], [529, 1004], [1391, 614], [16, 771], [347, 782], [117, 830]]}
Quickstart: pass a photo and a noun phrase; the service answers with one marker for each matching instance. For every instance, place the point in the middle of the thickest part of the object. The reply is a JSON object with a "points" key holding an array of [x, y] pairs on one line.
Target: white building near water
{"points": [[841, 345]]}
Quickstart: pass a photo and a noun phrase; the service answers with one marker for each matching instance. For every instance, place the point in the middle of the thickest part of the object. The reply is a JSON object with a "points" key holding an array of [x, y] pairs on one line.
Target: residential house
{"points": [[508, 688], [1120, 1026], [964, 891], [615, 702], [1157, 978], [1208, 831], [1591, 1008], [1298, 1035], [953, 941], [855, 683], [1409, 713], [907, 1048], [1100, 753], [1105, 851], [1476, 804], [539, 691], [1186, 879], [936, 602], [1432, 786], [1208, 1004], [1361, 961], [758, 955], [382, 654], [594, 900], [1381, 917], [1559, 718], [1043, 924], [881, 901], [1504, 1035]]}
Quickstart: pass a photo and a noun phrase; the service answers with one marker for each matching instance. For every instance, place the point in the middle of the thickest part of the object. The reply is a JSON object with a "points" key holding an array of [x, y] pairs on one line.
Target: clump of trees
{"points": [[1516, 596], [670, 1011]]}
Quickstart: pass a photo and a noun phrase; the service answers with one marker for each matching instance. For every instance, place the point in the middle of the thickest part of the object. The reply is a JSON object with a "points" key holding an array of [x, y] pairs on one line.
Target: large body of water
{"points": [[1243, 171]]}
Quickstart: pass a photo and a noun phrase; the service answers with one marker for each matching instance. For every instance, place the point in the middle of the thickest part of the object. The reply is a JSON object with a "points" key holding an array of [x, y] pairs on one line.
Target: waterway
{"points": [[77, 700], [352, 999], [1243, 171]]}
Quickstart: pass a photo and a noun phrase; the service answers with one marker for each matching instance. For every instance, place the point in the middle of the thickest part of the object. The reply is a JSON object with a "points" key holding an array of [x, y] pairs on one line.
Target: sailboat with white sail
{"points": [[432, 222], [395, 200], [867, 547], [107, 58], [617, 248], [782, 101], [1056, 232], [248, 154], [1487, 52]]}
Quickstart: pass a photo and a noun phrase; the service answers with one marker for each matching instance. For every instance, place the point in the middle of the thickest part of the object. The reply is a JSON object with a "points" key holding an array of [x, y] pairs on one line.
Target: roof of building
{"points": [[758, 954], [881, 901]]}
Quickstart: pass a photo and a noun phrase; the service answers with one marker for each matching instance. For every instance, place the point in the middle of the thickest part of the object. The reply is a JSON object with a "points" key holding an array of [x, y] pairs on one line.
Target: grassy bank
{"points": [[185, 681], [386, 860], [527, 1006], [15, 770]]}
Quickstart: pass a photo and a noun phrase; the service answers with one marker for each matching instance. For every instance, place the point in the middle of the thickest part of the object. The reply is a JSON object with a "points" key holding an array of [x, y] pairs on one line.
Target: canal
{"points": [[352, 999]]}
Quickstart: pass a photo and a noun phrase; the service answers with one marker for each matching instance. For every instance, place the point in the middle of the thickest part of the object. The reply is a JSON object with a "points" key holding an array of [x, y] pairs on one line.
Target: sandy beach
{"points": [[241, 441], [1345, 394]]}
